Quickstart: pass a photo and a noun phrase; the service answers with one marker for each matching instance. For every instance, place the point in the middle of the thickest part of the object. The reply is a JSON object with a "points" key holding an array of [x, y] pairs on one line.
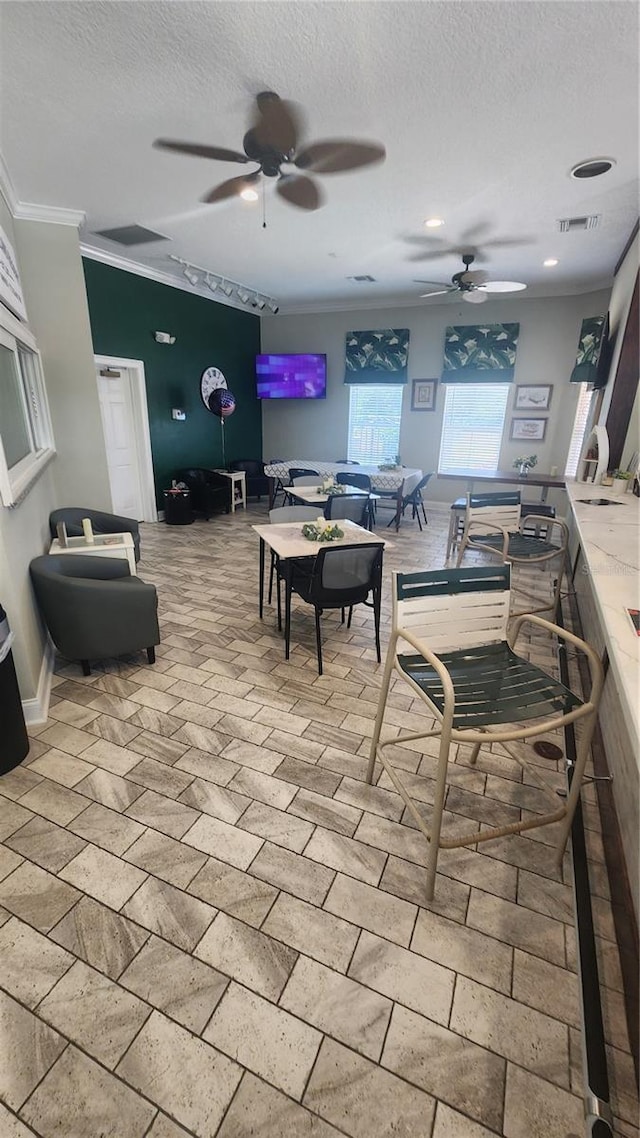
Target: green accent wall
{"points": [[125, 310]]}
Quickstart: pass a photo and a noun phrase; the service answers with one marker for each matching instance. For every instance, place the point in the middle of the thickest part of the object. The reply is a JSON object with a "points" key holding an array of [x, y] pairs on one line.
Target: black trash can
{"points": [[177, 507], [14, 741]]}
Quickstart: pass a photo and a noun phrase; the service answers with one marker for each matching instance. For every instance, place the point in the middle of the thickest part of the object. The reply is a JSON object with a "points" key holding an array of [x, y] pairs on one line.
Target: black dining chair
{"points": [[351, 507], [415, 500], [345, 478], [338, 578], [298, 472]]}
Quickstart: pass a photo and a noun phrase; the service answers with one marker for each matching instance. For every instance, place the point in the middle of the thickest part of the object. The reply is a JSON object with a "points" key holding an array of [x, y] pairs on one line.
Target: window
{"points": [[472, 426], [579, 430], [374, 422], [26, 443]]}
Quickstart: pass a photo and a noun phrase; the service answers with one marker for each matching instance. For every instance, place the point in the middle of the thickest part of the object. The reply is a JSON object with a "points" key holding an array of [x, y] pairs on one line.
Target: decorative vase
{"points": [[620, 485]]}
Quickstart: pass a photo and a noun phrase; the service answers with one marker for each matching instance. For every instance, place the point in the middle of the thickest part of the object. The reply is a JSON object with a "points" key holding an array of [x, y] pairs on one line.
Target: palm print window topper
{"points": [[377, 356], [480, 353]]}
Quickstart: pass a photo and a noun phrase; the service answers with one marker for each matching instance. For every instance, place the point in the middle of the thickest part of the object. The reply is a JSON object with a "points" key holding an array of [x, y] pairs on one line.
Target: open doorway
{"points": [[125, 425]]}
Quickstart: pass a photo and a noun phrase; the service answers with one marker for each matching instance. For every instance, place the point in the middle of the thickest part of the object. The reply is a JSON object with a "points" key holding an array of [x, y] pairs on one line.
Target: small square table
{"points": [[287, 542], [238, 487], [103, 545]]}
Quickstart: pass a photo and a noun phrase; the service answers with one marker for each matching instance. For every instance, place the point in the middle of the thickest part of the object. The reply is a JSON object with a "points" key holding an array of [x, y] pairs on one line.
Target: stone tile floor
{"points": [[211, 925]]}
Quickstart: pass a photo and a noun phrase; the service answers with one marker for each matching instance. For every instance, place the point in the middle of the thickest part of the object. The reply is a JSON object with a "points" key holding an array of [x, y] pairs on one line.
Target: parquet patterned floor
{"points": [[212, 926]]}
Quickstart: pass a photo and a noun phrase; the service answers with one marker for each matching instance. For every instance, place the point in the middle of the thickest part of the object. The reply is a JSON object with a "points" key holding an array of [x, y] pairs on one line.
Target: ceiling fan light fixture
{"points": [[475, 297], [434, 222], [248, 194]]}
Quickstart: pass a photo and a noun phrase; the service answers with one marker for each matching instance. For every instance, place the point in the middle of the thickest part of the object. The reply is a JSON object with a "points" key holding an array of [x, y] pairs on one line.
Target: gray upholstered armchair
{"points": [[100, 522], [94, 608]]}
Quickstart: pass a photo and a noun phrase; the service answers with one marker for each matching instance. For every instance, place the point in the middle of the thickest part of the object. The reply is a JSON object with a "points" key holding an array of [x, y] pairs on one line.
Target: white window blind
{"points": [[374, 422], [579, 429], [472, 426]]}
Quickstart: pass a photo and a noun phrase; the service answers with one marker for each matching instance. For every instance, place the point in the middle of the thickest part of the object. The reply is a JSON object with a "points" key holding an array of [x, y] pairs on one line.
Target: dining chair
{"points": [[345, 478], [392, 498], [351, 507], [278, 485], [458, 511], [338, 578], [415, 500], [286, 514], [299, 476], [494, 524], [449, 643]]}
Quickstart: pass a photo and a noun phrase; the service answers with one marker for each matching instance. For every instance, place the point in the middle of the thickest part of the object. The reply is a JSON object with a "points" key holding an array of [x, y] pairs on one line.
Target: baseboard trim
{"points": [[36, 710]]}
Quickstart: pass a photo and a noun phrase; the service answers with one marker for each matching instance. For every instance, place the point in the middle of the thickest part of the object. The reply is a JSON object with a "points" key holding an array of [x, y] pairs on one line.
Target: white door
{"points": [[116, 408]]}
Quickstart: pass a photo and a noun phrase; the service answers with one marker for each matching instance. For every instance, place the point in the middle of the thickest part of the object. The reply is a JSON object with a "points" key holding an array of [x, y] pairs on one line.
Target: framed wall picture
{"points": [[423, 394], [533, 397], [533, 429]]}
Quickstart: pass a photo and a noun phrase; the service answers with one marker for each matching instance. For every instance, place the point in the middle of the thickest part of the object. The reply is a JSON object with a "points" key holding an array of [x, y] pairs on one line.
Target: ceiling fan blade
{"points": [[435, 284], [231, 187], [277, 124], [475, 297], [441, 292], [503, 286], [299, 191], [198, 151], [335, 155]]}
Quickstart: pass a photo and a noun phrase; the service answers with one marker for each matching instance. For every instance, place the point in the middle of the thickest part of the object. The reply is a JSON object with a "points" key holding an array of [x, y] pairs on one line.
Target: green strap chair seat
{"points": [[520, 546]]}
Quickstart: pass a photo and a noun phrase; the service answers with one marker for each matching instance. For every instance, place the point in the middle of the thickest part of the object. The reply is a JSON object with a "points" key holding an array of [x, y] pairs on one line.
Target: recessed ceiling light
{"points": [[249, 194], [550, 262], [592, 168], [434, 222]]}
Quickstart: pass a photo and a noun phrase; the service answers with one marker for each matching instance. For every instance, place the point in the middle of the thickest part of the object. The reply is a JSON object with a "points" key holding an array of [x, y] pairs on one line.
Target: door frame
{"points": [[142, 434]]}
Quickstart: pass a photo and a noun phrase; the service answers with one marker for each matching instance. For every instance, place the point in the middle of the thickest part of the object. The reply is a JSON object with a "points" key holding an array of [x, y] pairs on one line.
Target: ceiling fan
{"points": [[473, 284], [272, 142]]}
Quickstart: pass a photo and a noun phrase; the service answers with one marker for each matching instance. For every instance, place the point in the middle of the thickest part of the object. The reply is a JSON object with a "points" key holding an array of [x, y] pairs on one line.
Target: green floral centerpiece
{"points": [[524, 465], [322, 530], [330, 487]]}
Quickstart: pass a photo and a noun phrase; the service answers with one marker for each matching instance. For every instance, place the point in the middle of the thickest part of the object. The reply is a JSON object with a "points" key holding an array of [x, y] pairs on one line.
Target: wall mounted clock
{"points": [[211, 380]]}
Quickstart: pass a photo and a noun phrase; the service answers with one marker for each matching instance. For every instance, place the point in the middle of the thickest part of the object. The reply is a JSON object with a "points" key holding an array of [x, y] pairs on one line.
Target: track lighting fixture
{"points": [[197, 275]]}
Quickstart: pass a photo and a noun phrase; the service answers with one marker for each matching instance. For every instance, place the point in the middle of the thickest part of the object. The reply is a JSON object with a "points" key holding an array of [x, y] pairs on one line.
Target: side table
{"points": [[103, 545], [238, 487]]}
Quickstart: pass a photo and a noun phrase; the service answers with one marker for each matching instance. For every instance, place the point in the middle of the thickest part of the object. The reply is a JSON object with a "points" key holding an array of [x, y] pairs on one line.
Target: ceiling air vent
{"points": [[363, 277], [573, 224], [131, 235]]}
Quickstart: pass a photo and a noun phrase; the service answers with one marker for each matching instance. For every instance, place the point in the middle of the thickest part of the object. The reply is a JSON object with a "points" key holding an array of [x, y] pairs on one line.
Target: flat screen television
{"points": [[302, 376]]}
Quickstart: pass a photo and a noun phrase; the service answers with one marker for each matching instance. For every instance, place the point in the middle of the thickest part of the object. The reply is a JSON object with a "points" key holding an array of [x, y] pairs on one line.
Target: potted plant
{"points": [[524, 465], [621, 481]]}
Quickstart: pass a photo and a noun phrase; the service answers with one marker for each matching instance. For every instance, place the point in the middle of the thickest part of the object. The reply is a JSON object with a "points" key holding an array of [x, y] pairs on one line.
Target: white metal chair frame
{"points": [[467, 609], [501, 515]]}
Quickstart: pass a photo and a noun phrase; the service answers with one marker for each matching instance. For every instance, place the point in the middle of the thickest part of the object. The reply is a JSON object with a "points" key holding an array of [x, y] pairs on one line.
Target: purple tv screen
{"points": [[292, 377]]}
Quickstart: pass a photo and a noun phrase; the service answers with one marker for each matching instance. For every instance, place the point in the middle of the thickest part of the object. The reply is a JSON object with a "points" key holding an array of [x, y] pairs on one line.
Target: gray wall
{"points": [[54, 288], [549, 329], [53, 285]]}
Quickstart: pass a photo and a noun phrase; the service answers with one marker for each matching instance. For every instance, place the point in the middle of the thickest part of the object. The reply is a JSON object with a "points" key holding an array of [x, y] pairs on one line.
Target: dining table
{"points": [[288, 543], [398, 478]]}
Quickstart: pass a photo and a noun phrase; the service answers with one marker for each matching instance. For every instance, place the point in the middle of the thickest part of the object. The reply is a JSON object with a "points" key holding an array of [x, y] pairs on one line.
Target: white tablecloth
{"points": [[380, 479]]}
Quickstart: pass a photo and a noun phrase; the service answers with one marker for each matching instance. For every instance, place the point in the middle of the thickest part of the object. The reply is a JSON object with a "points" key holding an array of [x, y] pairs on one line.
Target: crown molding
{"points": [[31, 211], [117, 261], [55, 215]]}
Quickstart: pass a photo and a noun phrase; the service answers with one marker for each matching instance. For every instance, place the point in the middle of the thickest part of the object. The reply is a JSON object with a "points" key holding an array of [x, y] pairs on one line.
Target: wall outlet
{"points": [[179, 415]]}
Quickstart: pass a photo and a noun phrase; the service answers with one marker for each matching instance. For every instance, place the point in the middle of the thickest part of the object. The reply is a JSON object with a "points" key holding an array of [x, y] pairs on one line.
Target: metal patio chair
{"points": [[449, 643], [494, 524]]}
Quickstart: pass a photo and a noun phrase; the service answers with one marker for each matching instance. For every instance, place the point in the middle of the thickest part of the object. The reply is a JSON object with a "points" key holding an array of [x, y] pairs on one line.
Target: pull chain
{"points": [[264, 207]]}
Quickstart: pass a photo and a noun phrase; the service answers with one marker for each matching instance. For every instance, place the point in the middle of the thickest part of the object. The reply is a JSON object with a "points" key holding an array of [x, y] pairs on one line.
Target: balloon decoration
{"points": [[222, 403]]}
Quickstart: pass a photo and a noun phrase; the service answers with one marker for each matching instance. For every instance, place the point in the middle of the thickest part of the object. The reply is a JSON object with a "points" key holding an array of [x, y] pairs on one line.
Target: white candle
{"points": [[87, 530]]}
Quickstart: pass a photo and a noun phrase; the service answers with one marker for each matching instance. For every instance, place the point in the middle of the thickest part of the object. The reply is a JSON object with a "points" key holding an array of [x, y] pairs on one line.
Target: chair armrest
{"points": [[488, 527], [436, 664], [595, 665], [547, 522]]}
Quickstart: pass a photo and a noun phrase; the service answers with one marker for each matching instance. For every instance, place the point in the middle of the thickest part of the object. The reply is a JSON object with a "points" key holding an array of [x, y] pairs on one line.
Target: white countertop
{"points": [[610, 541]]}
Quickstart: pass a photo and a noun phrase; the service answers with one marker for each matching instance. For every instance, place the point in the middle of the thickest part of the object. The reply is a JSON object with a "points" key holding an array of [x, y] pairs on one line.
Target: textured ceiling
{"points": [[483, 108]]}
